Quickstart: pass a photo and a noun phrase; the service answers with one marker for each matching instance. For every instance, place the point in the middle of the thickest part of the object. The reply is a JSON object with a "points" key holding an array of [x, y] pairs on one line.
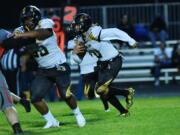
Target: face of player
{"points": [[77, 28], [29, 24]]}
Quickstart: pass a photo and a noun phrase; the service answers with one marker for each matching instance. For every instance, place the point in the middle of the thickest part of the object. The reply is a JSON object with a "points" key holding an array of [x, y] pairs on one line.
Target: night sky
{"points": [[10, 9]]}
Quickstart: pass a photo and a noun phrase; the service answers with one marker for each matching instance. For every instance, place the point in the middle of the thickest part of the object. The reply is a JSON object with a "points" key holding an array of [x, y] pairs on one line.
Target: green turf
{"points": [[150, 116]]}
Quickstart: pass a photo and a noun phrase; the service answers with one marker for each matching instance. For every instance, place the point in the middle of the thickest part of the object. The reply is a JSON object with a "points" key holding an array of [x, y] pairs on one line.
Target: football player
{"points": [[98, 43], [9, 66], [52, 66], [87, 64], [6, 104]]}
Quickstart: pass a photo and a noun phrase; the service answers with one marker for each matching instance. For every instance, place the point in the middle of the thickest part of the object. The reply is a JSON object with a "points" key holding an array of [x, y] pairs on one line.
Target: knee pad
{"points": [[103, 89]]}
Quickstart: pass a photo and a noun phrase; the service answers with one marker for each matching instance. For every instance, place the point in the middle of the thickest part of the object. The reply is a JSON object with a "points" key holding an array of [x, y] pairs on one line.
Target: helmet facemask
{"points": [[82, 23], [30, 17]]}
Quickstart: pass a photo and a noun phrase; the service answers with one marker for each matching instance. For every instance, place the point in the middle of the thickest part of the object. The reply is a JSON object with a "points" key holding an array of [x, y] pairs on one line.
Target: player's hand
{"points": [[17, 35], [134, 45]]}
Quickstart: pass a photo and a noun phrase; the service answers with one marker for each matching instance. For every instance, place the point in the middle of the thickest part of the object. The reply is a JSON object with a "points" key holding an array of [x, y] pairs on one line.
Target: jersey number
{"points": [[95, 53], [42, 51]]}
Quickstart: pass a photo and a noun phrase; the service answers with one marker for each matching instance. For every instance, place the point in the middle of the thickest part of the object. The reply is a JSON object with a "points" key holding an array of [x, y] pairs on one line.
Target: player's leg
{"points": [[24, 102], [89, 85], [127, 93], [115, 66], [112, 99], [64, 87], [6, 105], [89, 88], [105, 103], [12, 118], [105, 77], [39, 89]]}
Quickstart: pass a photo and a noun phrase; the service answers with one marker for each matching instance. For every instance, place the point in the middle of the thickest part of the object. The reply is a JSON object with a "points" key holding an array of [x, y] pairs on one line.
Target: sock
{"points": [[49, 117], [105, 103], [17, 128], [76, 111], [117, 91], [116, 103]]}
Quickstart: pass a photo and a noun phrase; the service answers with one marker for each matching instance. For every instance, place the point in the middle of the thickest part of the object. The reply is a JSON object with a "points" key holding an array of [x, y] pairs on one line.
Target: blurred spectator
{"points": [[51, 13], [176, 56], [141, 32], [158, 30], [162, 59], [126, 25]]}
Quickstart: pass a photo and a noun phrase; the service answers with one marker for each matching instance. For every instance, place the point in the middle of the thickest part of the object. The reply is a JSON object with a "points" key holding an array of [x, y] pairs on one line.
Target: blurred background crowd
{"points": [[154, 24]]}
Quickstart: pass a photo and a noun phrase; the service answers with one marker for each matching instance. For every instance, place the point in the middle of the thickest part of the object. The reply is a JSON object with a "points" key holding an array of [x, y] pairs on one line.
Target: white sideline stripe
{"points": [[144, 64], [146, 57], [75, 74], [74, 67], [169, 70], [134, 72], [135, 51], [169, 42], [74, 82], [147, 50]]}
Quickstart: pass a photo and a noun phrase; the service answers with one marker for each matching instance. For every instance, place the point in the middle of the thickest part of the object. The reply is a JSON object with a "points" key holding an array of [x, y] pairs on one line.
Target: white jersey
{"points": [[99, 34], [49, 54], [89, 61], [98, 39], [104, 50]]}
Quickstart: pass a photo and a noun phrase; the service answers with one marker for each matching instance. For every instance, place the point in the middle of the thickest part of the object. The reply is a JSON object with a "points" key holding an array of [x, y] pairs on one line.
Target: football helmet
{"points": [[82, 22], [29, 17]]}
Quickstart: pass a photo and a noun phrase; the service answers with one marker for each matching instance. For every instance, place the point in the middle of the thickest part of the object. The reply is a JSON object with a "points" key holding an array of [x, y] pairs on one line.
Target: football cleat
{"points": [[80, 120], [51, 124], [126, 114], [107, 110], [129, 98]]}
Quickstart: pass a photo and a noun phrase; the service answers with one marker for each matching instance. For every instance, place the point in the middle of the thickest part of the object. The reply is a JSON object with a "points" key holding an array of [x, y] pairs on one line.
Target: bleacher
{"points": [[137, 65]]}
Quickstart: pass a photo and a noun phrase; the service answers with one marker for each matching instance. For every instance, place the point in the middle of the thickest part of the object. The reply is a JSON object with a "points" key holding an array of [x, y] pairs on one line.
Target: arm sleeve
{"points": [[116, 34], [11, 42], [4, 34]]}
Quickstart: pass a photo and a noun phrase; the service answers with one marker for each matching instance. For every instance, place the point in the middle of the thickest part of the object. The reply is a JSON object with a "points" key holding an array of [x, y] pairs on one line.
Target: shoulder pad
{"points": [[94, 32], [45, 23]]}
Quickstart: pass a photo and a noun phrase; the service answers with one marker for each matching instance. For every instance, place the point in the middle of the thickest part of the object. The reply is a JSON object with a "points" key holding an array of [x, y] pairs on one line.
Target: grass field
{"points": [[150, 116]]}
